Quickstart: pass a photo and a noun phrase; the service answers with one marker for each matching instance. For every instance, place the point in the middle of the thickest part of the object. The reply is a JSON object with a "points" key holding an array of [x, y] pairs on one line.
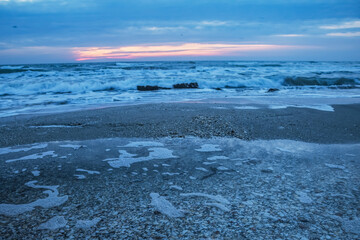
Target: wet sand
{"points": [[203, 120]]}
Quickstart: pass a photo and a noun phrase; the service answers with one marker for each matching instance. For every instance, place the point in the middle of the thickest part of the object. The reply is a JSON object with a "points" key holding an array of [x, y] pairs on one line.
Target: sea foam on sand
{"points": [[52, 200], [126, 159], [164, 206]]}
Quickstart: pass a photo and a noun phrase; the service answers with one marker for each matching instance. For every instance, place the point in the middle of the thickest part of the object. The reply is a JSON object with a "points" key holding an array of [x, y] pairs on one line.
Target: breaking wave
{"points": [[85, 83]]}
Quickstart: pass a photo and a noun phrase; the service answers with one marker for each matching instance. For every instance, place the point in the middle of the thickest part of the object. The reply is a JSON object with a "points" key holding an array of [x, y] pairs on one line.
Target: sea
{"points": [[43, 88]]}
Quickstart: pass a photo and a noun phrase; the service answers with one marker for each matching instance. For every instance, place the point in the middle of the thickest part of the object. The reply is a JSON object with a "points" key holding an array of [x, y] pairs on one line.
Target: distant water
{"points": [[58, 87]]}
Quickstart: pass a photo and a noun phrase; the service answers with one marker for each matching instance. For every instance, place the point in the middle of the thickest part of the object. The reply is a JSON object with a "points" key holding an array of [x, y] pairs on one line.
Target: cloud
{"points": [[347, 34], [346, 25], [214, 23], [183, 25], [185, 49], [162, 29]]}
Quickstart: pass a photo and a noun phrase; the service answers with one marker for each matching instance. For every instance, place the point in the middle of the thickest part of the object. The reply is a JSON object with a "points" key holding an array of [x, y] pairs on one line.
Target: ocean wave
{"points": [[255, 64], [18, 70], [11, 67], [95, 83], [313, 81], [84, 84], [145, 68]]}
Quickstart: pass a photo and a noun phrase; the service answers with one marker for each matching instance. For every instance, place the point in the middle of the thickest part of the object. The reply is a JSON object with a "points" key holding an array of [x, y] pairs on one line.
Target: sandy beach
{"points": [[181, 171]]}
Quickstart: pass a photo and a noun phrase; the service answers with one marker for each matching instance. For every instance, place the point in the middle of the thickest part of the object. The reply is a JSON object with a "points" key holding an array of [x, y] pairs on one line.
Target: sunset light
{"points": [[187, 49]]}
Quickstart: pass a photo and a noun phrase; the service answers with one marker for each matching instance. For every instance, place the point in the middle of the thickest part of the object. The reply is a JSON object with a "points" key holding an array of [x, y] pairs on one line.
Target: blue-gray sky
{"points": [[41, 31]]}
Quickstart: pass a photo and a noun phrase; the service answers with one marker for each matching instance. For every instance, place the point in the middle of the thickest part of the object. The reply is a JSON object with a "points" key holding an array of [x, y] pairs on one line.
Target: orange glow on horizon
{"points": [[186, 49]]}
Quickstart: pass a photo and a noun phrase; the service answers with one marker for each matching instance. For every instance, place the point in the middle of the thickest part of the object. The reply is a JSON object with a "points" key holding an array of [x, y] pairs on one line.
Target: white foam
{"points": [[164, 206], [209, 163], [73, 146], [33, 156], [176, 187], [170, 174], [246, 108], [144, 144], [209, 148], [14, 150], [53, 223], [79, 176], [86, 224], [214, 158], [87, 171], [36, 173], [11, 67], [202, 169], [334, 166], [160, 153], [52, 200], [126, 159], [217, 198], [350, 155], [324, 107]]}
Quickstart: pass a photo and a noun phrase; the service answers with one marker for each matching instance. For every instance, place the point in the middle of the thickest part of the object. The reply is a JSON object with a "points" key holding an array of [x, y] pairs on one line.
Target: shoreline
{"points": [[204, 120]]}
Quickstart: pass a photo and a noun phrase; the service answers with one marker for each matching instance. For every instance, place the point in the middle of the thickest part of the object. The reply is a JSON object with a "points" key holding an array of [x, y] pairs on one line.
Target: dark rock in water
{"points": [[272, 90], [218, 88], [149, 88], [186, 85]]}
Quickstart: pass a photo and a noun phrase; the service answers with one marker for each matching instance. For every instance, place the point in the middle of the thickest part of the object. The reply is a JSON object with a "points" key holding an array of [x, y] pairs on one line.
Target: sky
{"points": [[56, 31]]}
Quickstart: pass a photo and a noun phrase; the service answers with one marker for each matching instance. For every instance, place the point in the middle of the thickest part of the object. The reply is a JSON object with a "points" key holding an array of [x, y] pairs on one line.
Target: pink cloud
{"points": [[185, 49]]}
